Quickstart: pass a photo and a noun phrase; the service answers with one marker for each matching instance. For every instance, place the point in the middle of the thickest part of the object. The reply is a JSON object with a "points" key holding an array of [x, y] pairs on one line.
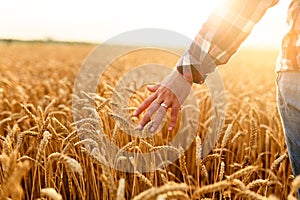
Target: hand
{"points": [[161, 99], [170, 93]]}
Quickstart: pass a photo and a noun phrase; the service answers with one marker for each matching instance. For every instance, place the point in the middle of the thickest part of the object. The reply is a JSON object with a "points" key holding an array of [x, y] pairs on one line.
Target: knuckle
{"points": [[175, 109]]}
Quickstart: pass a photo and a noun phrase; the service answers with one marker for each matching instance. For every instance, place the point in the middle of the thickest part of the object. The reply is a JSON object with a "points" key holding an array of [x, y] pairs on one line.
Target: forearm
{"points": [[221, 36]]}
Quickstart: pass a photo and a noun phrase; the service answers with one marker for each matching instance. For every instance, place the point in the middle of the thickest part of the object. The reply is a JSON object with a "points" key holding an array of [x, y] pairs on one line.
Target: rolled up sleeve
{"points": [[220, 37]]}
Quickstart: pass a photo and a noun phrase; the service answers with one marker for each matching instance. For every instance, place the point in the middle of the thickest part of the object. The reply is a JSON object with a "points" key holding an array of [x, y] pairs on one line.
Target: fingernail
{"points": [[152, 129], [170, 128], [139, 127]]}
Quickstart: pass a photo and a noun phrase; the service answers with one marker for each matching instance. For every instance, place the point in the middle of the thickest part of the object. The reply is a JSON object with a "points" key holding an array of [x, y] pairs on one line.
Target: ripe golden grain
{"points": [[173, 195], [226, 136], [250, 195], [243, 172], [211, 188], [182, 162], [51, 193], [278, 161], [154, 192], [198, 151], [121, 189], [222, 171], [39, 100], [44, 142], [256, 183]]}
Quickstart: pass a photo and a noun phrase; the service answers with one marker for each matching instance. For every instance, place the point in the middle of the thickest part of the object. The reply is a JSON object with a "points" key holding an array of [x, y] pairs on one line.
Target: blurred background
{"points": [[95, 21]]}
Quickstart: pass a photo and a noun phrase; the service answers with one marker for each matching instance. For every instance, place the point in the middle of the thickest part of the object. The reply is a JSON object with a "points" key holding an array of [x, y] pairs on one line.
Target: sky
{"points": [[99, 20]]}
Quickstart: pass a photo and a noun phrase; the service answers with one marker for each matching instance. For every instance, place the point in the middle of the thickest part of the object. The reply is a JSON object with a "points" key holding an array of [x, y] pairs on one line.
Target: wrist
{"points": [[178, 85]]}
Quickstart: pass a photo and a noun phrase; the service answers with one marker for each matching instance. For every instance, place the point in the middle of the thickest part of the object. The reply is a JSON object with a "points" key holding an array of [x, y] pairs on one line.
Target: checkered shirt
{"points": [[225, 30]]}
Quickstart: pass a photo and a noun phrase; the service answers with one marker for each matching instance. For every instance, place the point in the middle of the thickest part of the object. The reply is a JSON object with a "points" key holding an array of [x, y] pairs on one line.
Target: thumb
{"points": [[153, 88]]}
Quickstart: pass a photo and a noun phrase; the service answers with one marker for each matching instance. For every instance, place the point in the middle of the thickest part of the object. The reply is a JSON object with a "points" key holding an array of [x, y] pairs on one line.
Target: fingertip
{"points": [[138, 111], [139, 127], [172, 122], [152, 88], [152, 129]]}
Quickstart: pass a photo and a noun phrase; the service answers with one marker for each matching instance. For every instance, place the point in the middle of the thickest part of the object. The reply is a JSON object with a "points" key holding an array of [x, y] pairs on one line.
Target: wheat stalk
{"points": [[63, 127], [12, 185], [107, 173]]}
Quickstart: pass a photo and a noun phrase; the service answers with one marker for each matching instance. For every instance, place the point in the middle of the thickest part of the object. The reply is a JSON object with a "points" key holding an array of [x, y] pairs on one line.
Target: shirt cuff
{"points": [[192, 69]]}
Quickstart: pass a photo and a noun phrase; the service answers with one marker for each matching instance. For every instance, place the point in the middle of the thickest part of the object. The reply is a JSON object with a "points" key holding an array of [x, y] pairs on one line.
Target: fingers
{"points": [[148, 101], [147, 117], [144, 105], [174, 116], [158, 119], [154, 104], [153, 88]]}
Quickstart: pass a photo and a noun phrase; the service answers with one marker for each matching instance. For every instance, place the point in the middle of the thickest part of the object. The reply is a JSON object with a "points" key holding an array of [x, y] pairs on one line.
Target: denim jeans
{"points": [[288, 98]]}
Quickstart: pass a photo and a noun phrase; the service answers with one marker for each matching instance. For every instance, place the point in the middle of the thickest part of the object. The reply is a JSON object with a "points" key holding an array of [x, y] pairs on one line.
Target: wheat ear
{"points": [[154, 191], [198, 151], [43, 144], [121, 189], [243, 172], [250, 195], [211, 188], [173, 195], [51, 193], [182, 162], [222, 171], [226, 136], [295, 187], [278, 161]]}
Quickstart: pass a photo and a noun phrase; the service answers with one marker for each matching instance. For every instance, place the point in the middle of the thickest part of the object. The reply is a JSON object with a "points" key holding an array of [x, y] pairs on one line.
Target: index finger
{"points": [[158, 119], [144, 105]]}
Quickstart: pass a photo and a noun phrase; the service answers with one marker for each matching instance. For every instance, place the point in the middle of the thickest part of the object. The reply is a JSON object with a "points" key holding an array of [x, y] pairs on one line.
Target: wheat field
{"points": [[42, 156]]}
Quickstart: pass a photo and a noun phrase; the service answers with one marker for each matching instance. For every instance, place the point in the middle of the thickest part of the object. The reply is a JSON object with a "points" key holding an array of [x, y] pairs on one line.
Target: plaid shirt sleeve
{"points": [[289, 58], [220, 37]]}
